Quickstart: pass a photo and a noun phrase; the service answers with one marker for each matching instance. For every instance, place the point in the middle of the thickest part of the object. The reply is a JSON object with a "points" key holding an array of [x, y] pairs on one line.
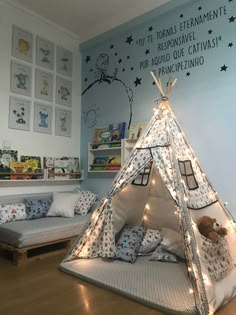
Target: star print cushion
{"points": [[151, 239], [12, 212], [129, 242], [85, 201], [37, 208]]}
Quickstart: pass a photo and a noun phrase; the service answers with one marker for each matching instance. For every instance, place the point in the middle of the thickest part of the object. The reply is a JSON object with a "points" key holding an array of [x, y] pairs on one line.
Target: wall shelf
{"points": [[43, 181], [96, 151]]}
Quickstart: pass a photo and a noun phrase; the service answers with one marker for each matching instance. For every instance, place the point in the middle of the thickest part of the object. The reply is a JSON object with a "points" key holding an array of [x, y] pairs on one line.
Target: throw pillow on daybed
{"points": [[63, 205], [151, 239], [12, 212], [85, 201], [129, 242], [36, 208], [172, 242], [160, 254]]}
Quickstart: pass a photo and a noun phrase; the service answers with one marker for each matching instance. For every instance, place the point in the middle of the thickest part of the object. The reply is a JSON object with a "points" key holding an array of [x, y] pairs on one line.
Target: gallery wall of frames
{"points": [[49, 66]]}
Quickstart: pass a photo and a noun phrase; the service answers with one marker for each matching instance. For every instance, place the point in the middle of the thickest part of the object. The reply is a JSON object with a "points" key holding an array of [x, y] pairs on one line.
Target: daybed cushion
{"points": [[85, 201], [36, 208], [31, 232], [12, 212], [63, 205]]}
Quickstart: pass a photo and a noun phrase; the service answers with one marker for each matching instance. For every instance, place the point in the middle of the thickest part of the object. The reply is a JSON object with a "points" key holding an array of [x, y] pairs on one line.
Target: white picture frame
{"points": [[63, 122], [45, 53], [43, 118], [44, 85], [22, 44], [64, 61], [21, 78], [19, 113], [63, 92]]}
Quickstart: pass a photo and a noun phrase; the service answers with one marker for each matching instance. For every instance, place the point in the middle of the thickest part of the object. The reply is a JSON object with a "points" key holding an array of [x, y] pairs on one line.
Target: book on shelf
{"points": [[117, 131], [23, 170], [61, 168], [56, 167], [136, 130], [107, 162], [6, 157], [33, 162], [97, 134]]}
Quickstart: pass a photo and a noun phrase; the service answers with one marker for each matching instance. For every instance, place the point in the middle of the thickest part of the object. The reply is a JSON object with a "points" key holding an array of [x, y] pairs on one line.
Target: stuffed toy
{"points": [[209, 228]]}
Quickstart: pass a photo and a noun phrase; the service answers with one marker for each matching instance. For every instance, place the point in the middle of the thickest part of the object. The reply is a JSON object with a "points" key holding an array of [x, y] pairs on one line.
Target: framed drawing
{"points": [[42, 118], [22, 44], [63, 92], [21, 78], [63, 121], [44, 53], [136, 130], [19, 114], [64, 61], [44, 85]]}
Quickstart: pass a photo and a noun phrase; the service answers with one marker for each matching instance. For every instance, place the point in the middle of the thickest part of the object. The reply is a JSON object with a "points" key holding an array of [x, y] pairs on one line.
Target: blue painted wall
{"points": [[193, 41]]}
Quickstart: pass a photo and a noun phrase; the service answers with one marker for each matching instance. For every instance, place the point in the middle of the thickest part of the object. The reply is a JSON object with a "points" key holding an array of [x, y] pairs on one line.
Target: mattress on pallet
{"points": [[33, 232], [161, 285]]}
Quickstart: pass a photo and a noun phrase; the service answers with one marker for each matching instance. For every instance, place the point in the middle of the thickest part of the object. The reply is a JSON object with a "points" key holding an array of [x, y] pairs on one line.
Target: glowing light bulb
{"points": [[191, 291], [185, 198], [153, 182], [206, 280], [189, 269], [147, 206], [144, 217]]}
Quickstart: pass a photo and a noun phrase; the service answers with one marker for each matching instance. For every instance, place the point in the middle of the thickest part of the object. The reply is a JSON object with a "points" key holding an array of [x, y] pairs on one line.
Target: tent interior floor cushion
{"points": [[163, 286]]}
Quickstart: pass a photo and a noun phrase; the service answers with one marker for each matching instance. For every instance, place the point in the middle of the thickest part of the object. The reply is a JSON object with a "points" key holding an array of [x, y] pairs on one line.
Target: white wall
{"points": [[29, 142]]}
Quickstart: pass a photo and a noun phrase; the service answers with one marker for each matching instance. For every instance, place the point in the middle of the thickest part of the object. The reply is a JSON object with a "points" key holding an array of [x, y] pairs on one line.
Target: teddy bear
{"points": [[209, 228]]}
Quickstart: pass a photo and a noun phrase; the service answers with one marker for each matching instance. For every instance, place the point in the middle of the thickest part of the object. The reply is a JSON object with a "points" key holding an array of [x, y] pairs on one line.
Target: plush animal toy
{"points": [[209, 228]]}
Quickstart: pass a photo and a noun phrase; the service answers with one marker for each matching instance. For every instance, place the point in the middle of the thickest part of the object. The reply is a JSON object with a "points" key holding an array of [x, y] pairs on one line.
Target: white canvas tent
{"points": [[175, 193]]}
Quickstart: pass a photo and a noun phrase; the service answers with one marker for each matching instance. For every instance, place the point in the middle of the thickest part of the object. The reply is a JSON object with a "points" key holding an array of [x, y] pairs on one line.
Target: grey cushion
{"points": [[32, 232]]}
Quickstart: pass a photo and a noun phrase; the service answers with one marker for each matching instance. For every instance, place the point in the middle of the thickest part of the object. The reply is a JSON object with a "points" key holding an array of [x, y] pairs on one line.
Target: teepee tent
{"points": [[174, 192]]}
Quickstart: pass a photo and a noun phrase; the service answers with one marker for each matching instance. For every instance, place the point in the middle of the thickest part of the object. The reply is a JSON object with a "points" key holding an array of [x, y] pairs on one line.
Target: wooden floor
{"points": [[39, 288]]}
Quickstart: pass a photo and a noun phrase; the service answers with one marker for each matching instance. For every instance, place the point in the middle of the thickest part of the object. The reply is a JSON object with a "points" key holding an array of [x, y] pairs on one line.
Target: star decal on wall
{"points": [[210, 32], [112, 46], [123, 70], [150, 28], [116, 54], [88, 58], [137, 81], [86, 79], [199, 8], [181, 16], [230, 45], [232, 18], [230, 0], [147, 51], [223, 68], [129, 39], [132, 68], [188, 74], [120, 60], [128, 57]]}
